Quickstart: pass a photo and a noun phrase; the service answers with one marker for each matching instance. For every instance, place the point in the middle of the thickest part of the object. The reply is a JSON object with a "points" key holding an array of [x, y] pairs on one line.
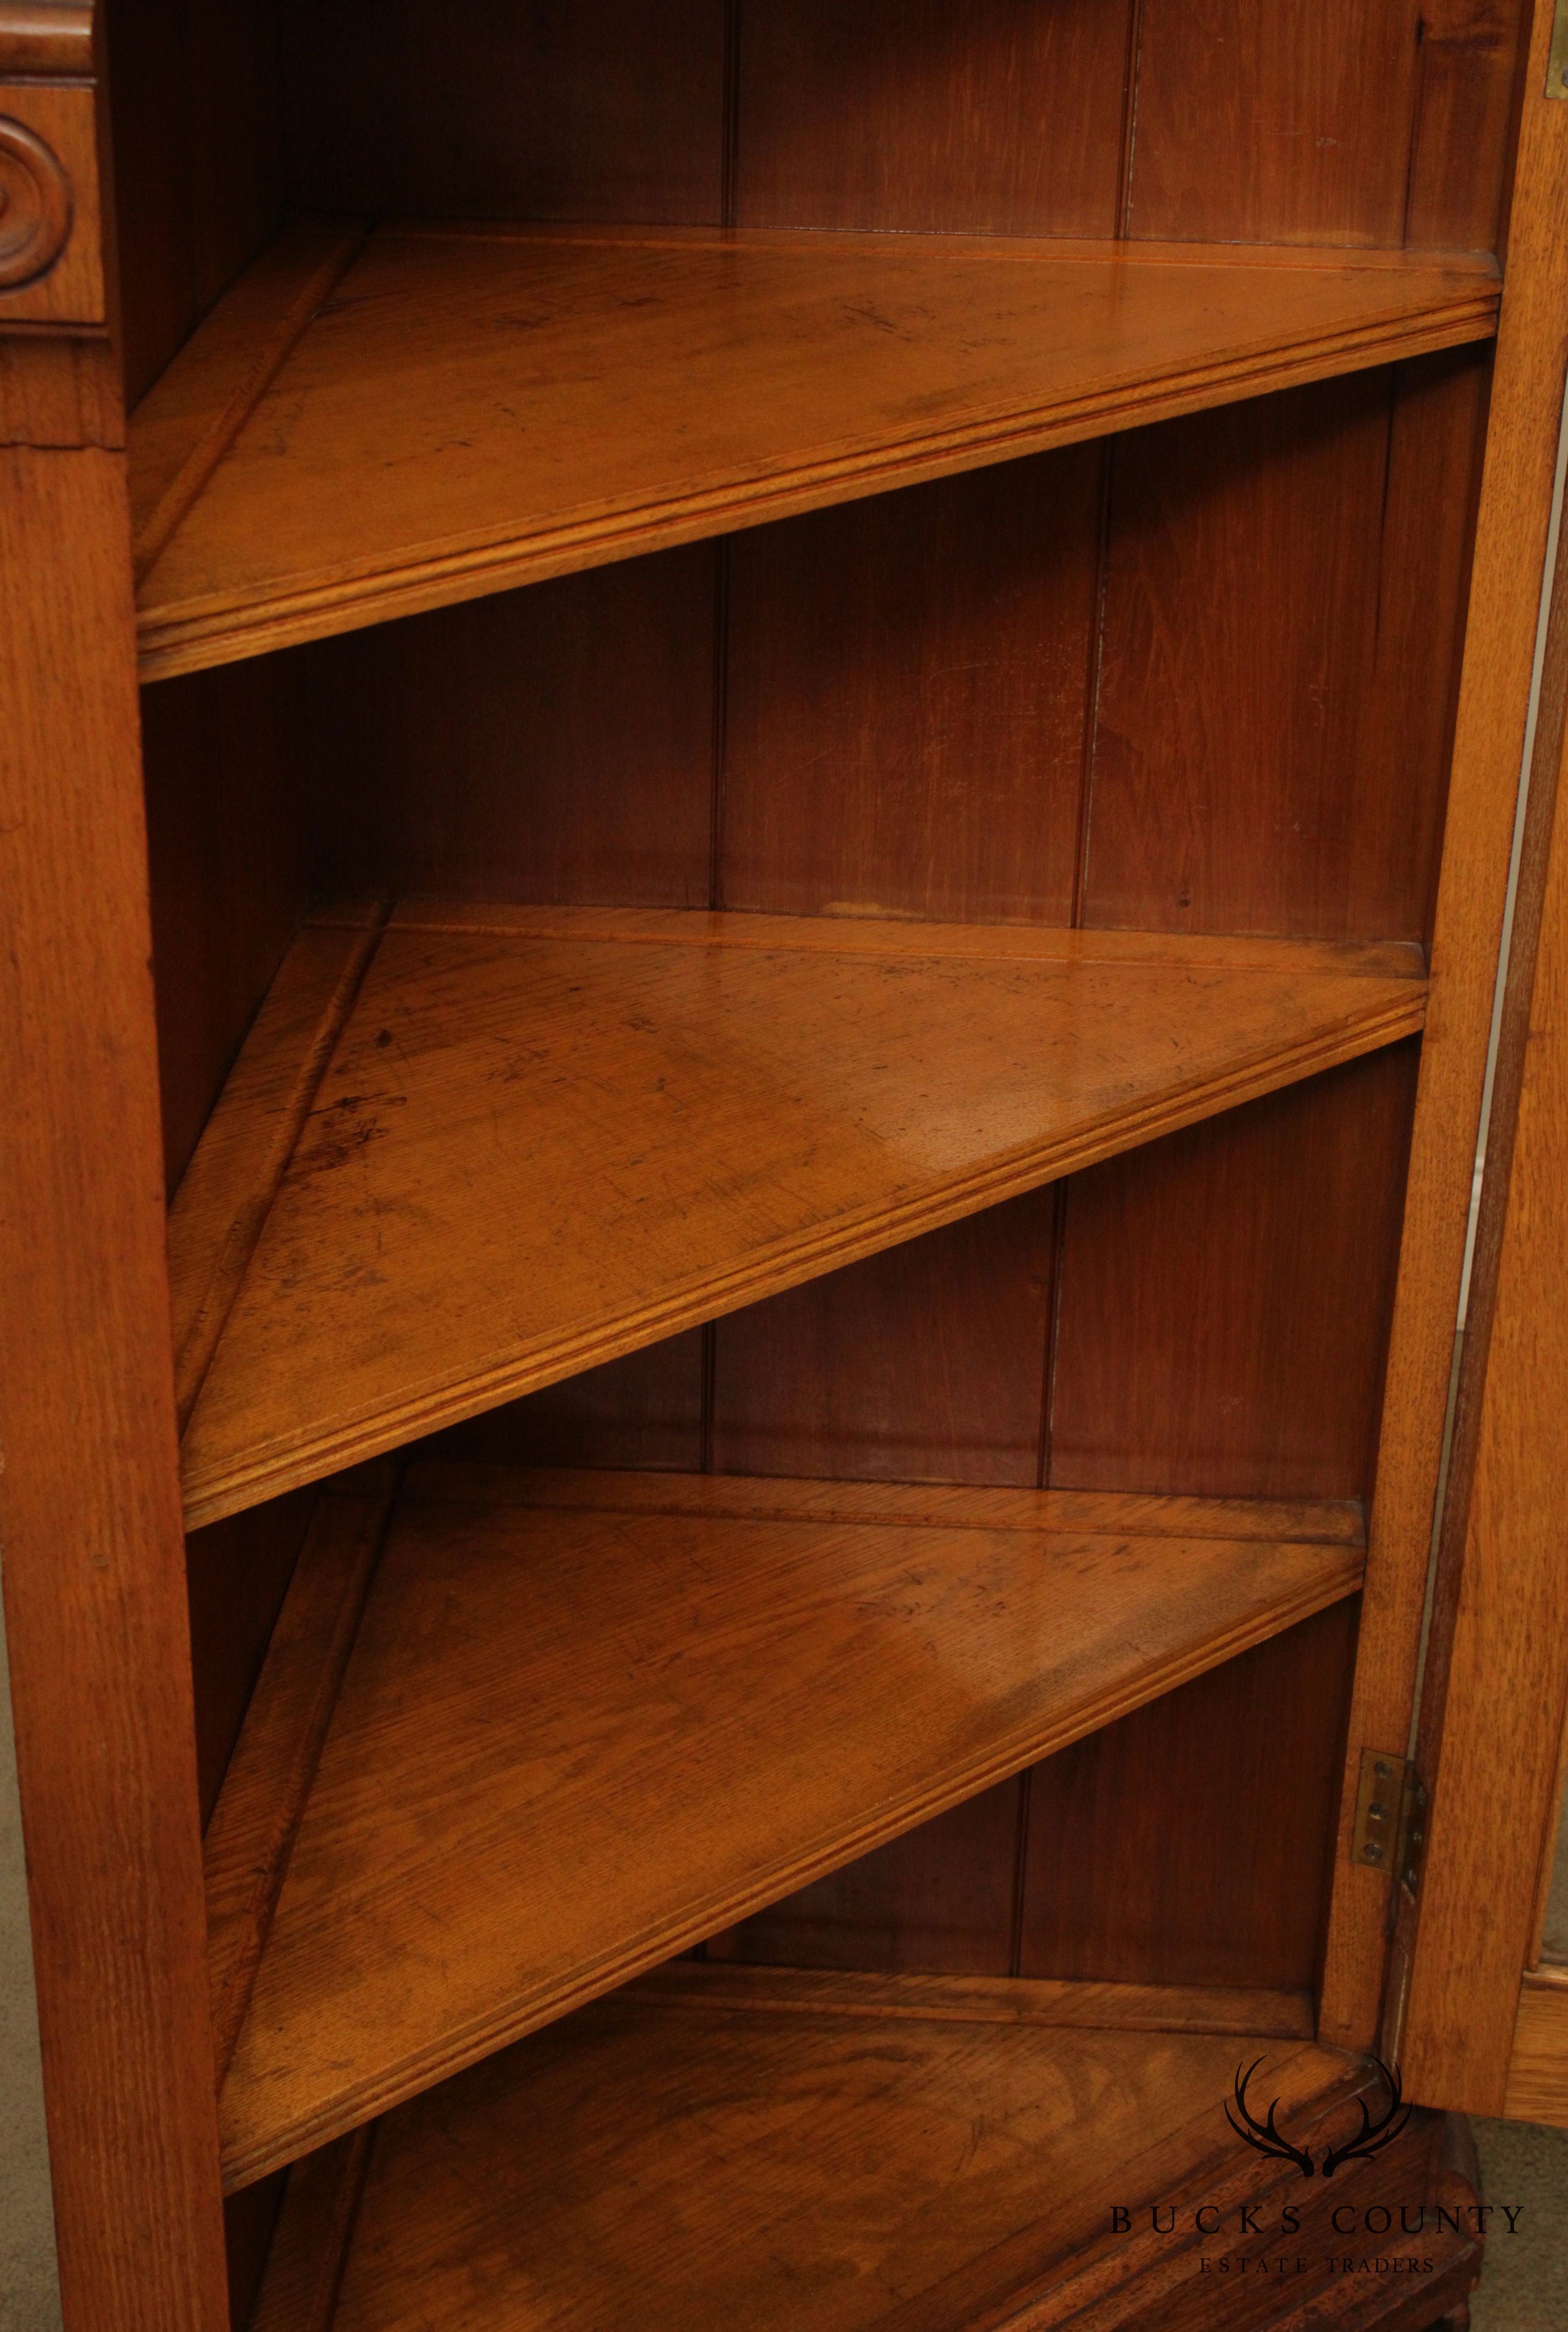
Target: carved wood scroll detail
{"points": [[34, 204], [51, 245]]}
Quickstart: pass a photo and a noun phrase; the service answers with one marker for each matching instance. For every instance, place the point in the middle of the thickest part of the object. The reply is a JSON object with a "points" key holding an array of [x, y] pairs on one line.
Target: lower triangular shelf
{"points": [[749, 2150], [588, 1719], [483, 1149]]}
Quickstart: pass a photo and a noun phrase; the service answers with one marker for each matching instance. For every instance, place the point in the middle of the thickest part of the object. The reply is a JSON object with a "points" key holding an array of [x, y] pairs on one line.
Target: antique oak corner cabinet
{"points": [[724, 1402]]}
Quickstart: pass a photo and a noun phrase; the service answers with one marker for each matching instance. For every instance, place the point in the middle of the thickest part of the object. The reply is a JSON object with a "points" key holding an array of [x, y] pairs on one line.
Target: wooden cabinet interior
{"points": [[887, 588]]}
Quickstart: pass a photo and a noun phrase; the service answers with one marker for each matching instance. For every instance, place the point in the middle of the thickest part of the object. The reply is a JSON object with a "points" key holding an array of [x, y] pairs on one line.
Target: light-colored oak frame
{"points": [[94, 1567], [1506, 578], [1492, 1719]]}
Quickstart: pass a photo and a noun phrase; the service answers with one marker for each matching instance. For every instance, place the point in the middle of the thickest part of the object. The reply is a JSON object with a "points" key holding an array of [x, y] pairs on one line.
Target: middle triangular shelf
{"points": [[473, 1150]]}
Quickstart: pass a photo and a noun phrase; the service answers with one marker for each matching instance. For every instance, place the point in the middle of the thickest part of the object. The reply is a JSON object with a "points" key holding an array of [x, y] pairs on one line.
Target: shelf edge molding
{"points": [[381, 420], [573, 1737], [469, 1151]]}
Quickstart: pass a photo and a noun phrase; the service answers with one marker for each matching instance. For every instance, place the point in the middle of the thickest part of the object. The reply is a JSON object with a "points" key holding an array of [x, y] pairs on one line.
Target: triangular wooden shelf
{"points": [[481, 1150], [757, 2150], [364, 428], [588, 1719]]}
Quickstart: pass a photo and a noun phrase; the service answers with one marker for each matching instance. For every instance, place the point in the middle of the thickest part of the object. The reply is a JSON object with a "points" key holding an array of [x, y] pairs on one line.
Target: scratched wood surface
{"points": [[482, 1152], [576, 1737], [527, 405]]}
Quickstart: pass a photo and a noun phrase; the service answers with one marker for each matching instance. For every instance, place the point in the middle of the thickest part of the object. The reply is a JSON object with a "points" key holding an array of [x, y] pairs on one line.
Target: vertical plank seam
{"points": [[345, 2218], [1124, 224], [1418, 111], [729, 152], [719, 758], [1093, 681], [1020, 1873], [1053, 1337], [709, 1366]]}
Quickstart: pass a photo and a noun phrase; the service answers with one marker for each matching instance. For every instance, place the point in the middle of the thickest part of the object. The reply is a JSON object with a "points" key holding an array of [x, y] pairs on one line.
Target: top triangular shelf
{"points": [[371, 425], [484, 1149]]}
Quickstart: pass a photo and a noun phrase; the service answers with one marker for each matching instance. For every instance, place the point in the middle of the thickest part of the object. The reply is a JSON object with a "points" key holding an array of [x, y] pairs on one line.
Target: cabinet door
{"points": [[1477, 2012]]}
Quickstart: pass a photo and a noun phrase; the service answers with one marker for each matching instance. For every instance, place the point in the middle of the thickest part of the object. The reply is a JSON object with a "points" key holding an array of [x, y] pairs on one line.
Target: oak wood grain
{"points": [[94, 1578], [911, 115], [187, 429], [1537, 2083], [310, 2251], [685, 386], [1157, 1848], [1229, 786], [1495, 1687], [542, 1138], [1225, 1296], [1285, 124], [923, 1363], [477, 752], [906, 701], [52, 270], [1467, 119], [818, 2159], [46, 36], [676, 1717]]}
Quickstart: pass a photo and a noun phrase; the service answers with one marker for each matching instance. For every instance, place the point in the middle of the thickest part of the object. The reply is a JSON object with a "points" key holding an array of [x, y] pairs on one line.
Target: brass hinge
{"points": [[1557, 62], [1391, 1811]]}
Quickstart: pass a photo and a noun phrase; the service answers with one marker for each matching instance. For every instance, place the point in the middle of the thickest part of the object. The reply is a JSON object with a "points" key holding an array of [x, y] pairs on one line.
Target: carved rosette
{"points": [[35, 205]]}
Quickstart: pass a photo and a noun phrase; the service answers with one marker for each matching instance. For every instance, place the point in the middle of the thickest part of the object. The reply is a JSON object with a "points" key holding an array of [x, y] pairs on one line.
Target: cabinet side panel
{"points": [[600, 109], [1000, 115]]}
